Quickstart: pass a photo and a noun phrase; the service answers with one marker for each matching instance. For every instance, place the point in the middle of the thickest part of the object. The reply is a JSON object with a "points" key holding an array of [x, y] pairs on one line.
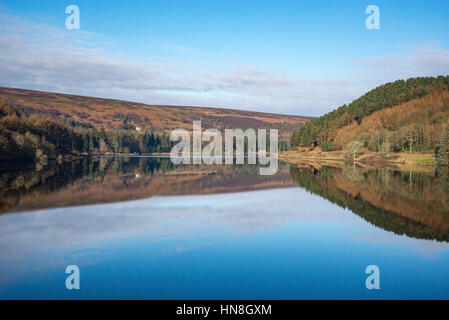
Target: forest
{"points": [[405, 115], [37, 139]]}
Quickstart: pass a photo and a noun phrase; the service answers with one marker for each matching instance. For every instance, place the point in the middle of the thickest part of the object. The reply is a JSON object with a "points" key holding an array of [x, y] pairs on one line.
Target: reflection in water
{"points": [[112, 179], [190, 233], [410, 203], [268, 244]]}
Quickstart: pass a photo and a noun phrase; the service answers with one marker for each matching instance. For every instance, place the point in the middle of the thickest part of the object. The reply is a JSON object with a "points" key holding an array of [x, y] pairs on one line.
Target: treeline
{"points": [[25, 140], [95, 141], [37, 139], [324, 132]]}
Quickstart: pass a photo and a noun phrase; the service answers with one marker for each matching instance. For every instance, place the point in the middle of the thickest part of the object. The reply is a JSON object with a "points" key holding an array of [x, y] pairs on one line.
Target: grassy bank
{"points": [[366, 157]]}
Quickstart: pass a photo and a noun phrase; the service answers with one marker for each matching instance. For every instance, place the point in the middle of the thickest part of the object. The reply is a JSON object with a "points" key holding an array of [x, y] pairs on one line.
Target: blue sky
{"points": [[299, 57]]}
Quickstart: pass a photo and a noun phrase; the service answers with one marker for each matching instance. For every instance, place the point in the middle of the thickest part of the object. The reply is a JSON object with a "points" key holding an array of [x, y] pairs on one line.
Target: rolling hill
{"points": [[110, 114], [405, 115]]}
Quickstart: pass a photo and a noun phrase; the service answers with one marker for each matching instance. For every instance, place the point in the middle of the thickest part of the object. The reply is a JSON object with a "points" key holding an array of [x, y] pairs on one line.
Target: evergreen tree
{"points": [[91, 142], [117, 144], [86, 142], [102, 134], [443, 153]]}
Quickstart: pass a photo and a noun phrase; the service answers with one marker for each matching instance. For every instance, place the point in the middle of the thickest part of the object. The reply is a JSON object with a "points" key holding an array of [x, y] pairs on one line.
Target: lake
{"points": [[142, 228]]}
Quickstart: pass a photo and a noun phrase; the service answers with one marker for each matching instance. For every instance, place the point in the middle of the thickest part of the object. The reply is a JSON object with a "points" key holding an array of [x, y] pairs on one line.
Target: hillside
{"points": [[110, 114], [414, 125], [399, 116]]}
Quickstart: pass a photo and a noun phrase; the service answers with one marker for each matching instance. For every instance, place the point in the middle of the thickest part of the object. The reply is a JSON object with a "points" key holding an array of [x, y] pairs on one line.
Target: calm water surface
{"points": [[139, 228]]}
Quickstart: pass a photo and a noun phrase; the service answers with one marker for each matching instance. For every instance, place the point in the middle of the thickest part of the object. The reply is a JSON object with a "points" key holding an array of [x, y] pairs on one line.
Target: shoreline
{"points": [[404, 160]]}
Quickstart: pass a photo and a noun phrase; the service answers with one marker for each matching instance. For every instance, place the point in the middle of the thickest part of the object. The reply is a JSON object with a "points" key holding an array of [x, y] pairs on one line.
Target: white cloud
{"points": [[428, 61], [37, 56], [41, 57]]}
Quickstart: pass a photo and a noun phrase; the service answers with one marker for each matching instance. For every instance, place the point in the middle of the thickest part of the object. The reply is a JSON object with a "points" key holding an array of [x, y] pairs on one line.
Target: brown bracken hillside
{"points": [[110, 113]]}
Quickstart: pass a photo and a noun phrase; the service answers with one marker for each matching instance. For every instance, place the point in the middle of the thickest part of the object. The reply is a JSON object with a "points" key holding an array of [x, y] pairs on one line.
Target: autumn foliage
{"points": [[399, 116], [415, 125]]}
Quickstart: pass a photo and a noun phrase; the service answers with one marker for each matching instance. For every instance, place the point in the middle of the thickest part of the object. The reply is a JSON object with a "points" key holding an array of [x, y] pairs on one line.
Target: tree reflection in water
{"points": [[112, 179], [411, 203]]}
